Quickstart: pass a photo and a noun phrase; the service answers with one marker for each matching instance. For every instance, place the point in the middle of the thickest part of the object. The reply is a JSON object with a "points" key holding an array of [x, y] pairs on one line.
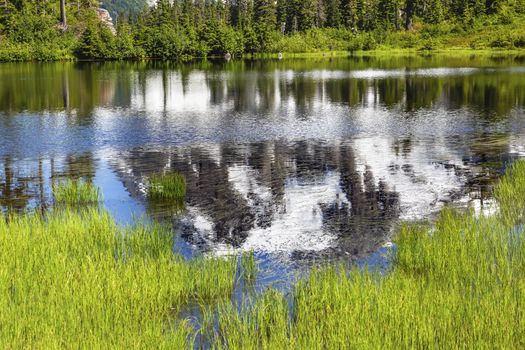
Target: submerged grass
{"points": [[459, 284], [167, 187], [76, 192]]}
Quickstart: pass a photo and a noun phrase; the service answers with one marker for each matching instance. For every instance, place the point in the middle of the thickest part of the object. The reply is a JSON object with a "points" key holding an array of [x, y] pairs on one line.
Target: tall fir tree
{"points": [[349, 14], [265, 21], [307, 14], [333, 13]]}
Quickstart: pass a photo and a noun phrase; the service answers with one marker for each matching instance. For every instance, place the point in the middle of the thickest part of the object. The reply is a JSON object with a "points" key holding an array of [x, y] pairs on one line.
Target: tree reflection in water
{"points": [[244, 190]]}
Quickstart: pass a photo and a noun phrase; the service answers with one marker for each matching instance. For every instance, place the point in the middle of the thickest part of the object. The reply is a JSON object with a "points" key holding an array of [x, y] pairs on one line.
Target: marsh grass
{"points": [[249, 266], [167, 187], [458, 284], [76, 192], [74, 279]]}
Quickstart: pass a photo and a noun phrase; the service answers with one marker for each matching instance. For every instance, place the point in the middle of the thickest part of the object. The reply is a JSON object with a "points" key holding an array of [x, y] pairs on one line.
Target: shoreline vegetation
{"points": [[71, 277], [184, 30]]}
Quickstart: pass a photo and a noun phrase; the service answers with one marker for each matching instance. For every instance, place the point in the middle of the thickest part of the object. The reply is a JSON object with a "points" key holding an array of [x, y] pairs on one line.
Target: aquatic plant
{"points": [[167, 187], [249, 266], [74, 279], [510, 193], [76, 192]]}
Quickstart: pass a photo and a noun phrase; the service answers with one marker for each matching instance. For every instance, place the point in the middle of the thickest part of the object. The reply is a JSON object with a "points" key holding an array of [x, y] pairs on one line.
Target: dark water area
{"points": [[300, 161]]}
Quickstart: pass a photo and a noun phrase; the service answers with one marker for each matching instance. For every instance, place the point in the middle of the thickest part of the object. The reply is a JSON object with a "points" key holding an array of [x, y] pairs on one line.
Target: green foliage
{"points": [[124, 43], [502, 42], [29, 28], [173, 30], [429, 44], [519, 41], [164, 42], [226, 40], [369, 43], [505, 16], [76, 193], [15, 52], [96, 42], [249, 266], [316, 40], [75, 279], [265, 15], [167, 187]]}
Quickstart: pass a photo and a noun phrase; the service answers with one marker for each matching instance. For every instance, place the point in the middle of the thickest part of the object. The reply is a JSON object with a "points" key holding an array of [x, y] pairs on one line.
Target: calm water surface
{"points": [[298, 160]]}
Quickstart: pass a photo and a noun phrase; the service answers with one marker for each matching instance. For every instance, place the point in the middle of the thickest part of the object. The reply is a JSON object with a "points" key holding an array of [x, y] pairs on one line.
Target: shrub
{"points": [[97, 42], [502, 41], [429, 44], [519, 41], [355, 44], [164, 42], [15, 52], [369, 43], [505, 16], [407, 40]]}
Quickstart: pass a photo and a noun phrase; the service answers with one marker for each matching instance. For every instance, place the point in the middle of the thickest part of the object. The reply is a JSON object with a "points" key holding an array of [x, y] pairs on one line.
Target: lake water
{"points": [[297, 160]]}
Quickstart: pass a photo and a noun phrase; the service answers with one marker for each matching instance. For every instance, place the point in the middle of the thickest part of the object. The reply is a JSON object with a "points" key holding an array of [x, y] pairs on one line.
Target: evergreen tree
{"points": [[433, 12], [410, 9], [180, 28], [388, 10], [349, 13], [265, 21], [243, 13], [282, 14], [306, 14], [333, 13]]}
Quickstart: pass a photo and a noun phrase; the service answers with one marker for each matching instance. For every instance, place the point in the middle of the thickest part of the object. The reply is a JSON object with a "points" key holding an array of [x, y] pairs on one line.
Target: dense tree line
{"points": [[174, 29]]}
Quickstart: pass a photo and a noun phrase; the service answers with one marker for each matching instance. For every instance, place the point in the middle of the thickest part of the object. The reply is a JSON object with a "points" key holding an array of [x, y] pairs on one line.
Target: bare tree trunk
{"points": [[63, 19]]}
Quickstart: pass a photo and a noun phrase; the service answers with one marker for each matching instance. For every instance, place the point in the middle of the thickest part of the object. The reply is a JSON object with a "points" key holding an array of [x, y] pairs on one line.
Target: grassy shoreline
{"points": [[398, 52], [377, 53], [380, 52]]}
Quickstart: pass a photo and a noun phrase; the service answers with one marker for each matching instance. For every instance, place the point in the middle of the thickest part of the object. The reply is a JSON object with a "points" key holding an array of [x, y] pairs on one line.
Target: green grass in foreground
{"points": [[75, 280], [167, 187], [76, 192]]}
